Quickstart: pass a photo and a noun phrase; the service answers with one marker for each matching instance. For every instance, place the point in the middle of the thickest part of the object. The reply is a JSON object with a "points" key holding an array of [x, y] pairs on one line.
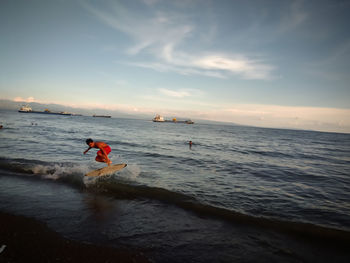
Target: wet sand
{"points": [[28, 240]]}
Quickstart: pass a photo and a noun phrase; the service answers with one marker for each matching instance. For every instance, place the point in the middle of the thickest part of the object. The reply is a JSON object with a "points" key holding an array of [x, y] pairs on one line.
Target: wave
{"points": [[66, 172], [124, 188], [120, 189]]}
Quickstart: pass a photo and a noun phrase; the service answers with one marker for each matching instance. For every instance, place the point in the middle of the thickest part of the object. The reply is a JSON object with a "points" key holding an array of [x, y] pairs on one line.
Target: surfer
{"points": [[102, 154]]}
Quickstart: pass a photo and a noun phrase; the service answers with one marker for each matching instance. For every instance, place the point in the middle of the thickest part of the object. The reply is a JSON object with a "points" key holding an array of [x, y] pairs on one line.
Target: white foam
{"points": [[132, 171], [2, 248], [57, 171]]}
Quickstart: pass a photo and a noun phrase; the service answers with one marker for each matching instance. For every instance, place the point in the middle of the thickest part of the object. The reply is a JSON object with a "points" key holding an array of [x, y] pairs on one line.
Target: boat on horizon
{"points": [[27, 109], [159, 118], [102, 116]]}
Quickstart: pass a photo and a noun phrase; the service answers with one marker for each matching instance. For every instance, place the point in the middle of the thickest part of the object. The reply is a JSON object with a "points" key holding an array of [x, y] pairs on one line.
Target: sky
{"points": [[280, 63]]}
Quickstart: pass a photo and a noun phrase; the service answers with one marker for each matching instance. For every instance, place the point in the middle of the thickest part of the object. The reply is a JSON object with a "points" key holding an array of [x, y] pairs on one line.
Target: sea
{"points": [[238, 194]]}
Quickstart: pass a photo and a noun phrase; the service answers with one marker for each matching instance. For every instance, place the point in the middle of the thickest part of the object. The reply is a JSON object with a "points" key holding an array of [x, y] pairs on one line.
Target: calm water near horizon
{"points": [[226, 193]]}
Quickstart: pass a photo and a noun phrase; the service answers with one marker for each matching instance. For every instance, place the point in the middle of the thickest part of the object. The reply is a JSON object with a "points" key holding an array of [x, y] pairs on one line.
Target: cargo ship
{"points": [[27, 109], [102, 116], [159, 118]]}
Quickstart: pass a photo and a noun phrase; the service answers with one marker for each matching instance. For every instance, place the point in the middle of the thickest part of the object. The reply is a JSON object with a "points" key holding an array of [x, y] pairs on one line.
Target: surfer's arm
{"points": [[87, 150]]}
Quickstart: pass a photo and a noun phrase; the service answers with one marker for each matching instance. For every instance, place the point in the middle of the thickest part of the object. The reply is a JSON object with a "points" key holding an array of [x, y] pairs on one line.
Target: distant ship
{"points": [[178, 121], [102, 116], [159, 118], [27, 109], [189, 122]]}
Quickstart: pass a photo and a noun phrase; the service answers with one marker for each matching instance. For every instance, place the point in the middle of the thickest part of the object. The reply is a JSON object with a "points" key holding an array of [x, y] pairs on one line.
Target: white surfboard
{"points": [[107, 170]]}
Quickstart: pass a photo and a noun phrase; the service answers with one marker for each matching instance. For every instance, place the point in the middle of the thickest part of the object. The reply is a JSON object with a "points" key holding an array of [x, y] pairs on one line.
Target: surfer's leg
{"points": [[101, 158], [108, 150]]}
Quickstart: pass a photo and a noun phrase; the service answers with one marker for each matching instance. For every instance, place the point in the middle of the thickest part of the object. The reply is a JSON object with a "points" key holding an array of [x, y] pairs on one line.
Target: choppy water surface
{"points": [[240, 174]]}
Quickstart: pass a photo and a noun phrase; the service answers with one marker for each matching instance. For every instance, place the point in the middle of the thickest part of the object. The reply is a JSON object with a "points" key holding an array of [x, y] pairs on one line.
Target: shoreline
{"points": [[29, 240]]}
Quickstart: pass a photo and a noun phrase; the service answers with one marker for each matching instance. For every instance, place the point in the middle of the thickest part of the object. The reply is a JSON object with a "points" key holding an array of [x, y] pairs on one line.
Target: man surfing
{"points": [[102, 154]]}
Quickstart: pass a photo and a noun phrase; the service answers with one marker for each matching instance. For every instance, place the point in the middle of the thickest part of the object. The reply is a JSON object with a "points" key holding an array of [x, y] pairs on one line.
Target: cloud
{"points": [[218, 66], [150, 29], [176, 94], [27, 100], [272, 116], [293, 17], [310, 118], [183, 70], [164, 35], [247, 68]]}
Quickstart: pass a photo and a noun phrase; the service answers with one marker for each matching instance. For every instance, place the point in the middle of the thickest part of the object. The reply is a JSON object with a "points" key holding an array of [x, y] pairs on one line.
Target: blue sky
{"points": [[264, 63]]}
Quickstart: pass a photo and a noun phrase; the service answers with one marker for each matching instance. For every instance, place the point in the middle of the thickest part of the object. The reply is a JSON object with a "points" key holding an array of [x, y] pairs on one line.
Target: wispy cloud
{"points": [[175, 94], [293, 16], [273, 116], [214, 65], [247, 68], [26, 100], [164, 35], [313, 118], [183, 70], [152, 32]]}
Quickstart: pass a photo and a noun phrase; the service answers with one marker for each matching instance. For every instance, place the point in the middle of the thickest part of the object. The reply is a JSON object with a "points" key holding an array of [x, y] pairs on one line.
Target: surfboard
{"points": [[107, 170]]}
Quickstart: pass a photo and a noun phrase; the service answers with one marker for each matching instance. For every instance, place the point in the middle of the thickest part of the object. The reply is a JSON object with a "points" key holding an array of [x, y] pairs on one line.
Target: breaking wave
{"points": [[124, 187]]}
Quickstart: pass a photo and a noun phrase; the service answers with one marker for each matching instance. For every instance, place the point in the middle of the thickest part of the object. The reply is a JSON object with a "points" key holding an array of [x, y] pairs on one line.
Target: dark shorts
{"points": [[107, 150]]}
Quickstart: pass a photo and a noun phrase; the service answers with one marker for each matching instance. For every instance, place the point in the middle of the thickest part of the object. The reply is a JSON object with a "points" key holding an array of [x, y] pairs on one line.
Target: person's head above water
{"points": [[88, 141]]}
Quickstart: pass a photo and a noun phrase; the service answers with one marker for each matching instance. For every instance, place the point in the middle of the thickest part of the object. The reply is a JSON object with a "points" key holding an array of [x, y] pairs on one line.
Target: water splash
{"points": [[58, 171], [131, 172]]}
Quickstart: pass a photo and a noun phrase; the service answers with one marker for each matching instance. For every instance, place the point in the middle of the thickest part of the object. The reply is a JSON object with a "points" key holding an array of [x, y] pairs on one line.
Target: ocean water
{"points": [[238, 194]]}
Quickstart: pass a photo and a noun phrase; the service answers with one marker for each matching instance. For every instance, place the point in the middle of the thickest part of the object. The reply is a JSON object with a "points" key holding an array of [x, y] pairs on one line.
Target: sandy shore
{"points": [[28, 240]]}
